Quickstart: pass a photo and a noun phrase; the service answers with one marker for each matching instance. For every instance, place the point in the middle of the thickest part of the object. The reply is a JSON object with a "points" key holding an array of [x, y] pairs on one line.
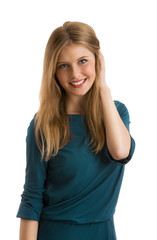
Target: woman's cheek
{"points": [[90, 70]]}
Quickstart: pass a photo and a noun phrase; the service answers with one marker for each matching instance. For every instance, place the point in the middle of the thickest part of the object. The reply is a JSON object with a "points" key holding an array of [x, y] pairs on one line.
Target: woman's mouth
{"points": [[79, 83]]}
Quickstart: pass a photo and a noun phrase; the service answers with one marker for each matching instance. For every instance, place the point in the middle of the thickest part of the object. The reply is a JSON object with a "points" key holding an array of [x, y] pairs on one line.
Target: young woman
{"points": [[77, 144]]}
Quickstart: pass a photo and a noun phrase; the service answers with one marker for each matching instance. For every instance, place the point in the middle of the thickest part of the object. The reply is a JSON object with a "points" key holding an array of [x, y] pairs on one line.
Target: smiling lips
{"points": [[79, 83]]}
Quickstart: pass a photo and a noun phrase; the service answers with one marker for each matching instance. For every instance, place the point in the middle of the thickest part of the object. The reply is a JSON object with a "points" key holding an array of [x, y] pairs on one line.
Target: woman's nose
{"points": [[75, 72]]}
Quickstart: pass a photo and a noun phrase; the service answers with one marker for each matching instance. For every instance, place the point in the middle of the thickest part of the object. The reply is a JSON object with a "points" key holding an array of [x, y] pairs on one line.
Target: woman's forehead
{"points": [[74, 52]]}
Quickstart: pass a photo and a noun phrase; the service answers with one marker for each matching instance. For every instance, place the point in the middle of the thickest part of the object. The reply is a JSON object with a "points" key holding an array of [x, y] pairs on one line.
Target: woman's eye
{"points": [[82, 61], [62, 66]]}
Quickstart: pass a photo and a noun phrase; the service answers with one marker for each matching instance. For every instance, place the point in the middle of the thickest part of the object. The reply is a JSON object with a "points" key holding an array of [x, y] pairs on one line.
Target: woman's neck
{"points": [[74, 105]]}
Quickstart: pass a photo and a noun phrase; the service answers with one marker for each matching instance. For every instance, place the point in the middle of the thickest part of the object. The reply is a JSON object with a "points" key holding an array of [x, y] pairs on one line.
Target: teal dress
{"points": [[73, 195]]}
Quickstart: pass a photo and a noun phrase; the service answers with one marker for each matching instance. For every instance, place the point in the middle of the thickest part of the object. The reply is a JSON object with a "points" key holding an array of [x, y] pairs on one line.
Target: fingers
{"points": [[102, 60]]}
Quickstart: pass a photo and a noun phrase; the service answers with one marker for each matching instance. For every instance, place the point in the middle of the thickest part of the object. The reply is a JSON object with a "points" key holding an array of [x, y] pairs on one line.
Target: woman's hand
{"points": [[102, 80]]}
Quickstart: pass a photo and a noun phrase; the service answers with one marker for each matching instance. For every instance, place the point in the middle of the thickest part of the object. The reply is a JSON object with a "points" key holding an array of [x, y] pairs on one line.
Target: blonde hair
{"points": [[52, 129]]}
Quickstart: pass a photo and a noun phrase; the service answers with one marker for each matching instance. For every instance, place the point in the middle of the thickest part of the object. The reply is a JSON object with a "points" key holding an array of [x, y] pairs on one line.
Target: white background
{"points": [[127, 31]]}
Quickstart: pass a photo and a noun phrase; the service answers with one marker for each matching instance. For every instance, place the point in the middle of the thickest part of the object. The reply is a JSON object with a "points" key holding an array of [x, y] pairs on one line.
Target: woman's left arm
{"points": [[117, 136]]}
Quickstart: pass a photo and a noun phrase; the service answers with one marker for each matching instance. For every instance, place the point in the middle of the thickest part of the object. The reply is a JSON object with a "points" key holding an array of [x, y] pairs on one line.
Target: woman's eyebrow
{"points": [[82, 57], [76, 60]]}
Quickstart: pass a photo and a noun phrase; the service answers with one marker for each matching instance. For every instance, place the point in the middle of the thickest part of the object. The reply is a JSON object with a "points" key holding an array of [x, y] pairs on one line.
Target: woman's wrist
{"points": [[105, 90]]}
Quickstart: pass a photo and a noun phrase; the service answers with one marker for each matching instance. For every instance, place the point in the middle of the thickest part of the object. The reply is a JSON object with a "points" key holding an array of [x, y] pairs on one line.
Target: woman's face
{"points": [[76, 69]]}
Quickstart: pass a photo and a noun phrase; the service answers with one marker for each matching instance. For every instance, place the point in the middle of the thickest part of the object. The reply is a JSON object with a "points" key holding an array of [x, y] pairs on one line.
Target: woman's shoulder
{"points": [[31, 127]]}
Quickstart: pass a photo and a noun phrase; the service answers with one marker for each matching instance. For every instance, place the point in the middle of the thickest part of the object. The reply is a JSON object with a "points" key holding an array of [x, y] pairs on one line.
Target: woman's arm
{"points": [[28, 229], [117, 136]]}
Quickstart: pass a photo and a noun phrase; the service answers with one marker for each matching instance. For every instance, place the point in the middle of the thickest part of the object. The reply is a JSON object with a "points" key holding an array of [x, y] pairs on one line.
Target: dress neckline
{"points": [[73, 114]]}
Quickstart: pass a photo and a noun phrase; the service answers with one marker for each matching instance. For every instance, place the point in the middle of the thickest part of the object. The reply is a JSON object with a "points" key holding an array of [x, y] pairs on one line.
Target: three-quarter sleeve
{"points": [[35, 177], [124, 114]]}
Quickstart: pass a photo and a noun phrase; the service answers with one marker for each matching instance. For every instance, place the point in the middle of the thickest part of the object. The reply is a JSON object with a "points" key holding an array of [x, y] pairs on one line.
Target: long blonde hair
{"points": [[52, 129]]}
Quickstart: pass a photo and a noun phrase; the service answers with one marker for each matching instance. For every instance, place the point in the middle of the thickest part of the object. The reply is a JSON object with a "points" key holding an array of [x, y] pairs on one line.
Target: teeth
{"points": [[77, 83]]}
